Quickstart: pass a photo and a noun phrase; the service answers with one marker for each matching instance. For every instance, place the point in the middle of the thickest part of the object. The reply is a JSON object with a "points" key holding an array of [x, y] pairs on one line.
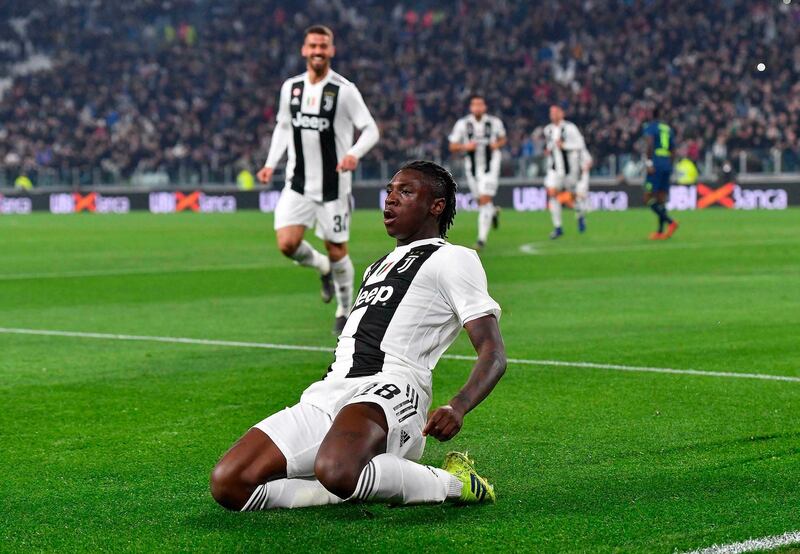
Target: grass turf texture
{"points": [[109, 444]]}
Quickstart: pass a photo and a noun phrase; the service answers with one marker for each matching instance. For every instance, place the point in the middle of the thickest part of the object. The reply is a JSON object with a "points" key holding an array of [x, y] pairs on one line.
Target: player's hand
{"points": [[265, 174], [348, 163], [560, 144], [470, 146], [444, 423]]}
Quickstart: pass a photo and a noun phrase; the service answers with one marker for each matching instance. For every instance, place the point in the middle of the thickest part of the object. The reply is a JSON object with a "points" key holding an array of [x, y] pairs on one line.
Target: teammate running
{"points": [[480, 137], [564, 149], [316, 115], [660, 154], [355, 435]]}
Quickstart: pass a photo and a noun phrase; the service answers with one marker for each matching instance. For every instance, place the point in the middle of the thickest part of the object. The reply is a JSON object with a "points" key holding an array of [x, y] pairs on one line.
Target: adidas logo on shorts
{"points": [[404, 437]]}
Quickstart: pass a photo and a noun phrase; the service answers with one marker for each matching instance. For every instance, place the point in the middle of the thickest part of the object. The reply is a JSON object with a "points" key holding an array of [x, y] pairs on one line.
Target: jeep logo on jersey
{"points": [[374, 296], [311, 122]]}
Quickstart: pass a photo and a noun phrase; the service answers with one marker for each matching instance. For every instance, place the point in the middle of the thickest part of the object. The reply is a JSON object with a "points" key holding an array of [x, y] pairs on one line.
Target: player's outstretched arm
{"points": [[445, 422]]}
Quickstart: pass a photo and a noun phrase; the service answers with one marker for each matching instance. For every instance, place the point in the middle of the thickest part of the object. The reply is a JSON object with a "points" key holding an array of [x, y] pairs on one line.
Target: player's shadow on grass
{"points": [[215, 517]]}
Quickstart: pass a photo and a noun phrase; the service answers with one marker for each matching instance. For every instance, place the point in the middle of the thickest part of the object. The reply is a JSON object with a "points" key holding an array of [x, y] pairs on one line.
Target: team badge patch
{"points": [[407, 263], [327, 101]]}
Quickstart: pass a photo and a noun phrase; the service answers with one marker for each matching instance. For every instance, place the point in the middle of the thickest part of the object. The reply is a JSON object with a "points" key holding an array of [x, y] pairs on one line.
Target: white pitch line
{"points": [[171, 340], [764, 543], [299, 347], [129, 271], [646, 369], [538, 248]]}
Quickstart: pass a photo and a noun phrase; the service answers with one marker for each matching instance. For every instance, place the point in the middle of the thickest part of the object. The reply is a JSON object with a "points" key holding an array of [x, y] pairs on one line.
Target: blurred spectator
{"points": [[170, 86], [23, 183], [686, 172]]}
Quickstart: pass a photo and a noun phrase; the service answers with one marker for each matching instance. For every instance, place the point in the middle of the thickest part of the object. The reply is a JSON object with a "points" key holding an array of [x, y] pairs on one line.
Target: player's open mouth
{"points": [[388, 217]]}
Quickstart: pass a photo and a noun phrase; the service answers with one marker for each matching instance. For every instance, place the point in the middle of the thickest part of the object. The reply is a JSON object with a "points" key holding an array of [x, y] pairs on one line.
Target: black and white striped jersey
{"points": [[411, 306], [483, 132], [564, 160], [316, 122]]}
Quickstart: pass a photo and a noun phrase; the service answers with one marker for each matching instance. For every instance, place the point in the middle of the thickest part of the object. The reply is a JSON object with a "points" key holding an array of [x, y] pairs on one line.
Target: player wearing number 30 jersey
{"points": [[357, 433], [317, 113]]}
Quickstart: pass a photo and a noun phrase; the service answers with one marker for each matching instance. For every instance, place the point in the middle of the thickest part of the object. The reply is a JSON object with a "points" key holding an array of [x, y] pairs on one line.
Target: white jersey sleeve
{"points": [[459, 133], [572, 138], [500, 129], [586, 157], [549, 139], [283, 128], [356, 108], [362, 120], [462, 282]]}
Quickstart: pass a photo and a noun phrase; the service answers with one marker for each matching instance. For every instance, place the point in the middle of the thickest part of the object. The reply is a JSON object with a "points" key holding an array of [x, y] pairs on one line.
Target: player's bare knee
{"points": [[336, 475], [288, 245], [227, 487], [336, 251]]}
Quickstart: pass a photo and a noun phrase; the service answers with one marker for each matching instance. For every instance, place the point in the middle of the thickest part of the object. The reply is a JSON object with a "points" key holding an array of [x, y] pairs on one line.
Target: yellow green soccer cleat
{"points": [[476, 489]]}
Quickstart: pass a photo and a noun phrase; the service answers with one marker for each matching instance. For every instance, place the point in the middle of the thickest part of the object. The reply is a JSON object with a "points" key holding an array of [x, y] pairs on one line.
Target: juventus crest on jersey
{"points": [[322, 116], [483, 132], [411, 306]]}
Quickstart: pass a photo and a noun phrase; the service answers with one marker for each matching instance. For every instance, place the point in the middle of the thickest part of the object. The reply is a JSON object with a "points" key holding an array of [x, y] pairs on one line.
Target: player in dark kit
{"points": [[357, 434], [660, 154]]}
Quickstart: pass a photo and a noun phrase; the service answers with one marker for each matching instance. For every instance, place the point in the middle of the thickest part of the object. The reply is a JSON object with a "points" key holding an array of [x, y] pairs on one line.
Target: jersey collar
{"points": [[307, 78], [421, 242]]}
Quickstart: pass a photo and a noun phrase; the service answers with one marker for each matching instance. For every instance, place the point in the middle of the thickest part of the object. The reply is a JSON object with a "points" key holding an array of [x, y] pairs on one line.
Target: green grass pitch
{"points": [[108, 444]]}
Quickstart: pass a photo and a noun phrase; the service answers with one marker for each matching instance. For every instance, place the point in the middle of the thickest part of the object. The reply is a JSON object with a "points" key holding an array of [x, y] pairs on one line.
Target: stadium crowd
{"points": [[145, 85]]}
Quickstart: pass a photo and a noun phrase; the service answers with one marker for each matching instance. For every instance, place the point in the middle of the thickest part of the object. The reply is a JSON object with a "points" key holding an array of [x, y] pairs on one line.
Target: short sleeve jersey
{"points": [[410, 308], [663, 142], [483, 132], [322, 116]]}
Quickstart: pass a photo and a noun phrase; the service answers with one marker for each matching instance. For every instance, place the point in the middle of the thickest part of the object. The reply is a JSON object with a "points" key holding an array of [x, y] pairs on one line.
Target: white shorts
{"points": [[484, 184], [331, 220], [299, 430], [552, 180]]}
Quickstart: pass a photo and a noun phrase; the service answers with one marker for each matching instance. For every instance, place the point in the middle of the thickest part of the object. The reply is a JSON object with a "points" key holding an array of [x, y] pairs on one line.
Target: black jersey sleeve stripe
{"points": [[327, 142], [298, 182], [471, 155], [487, 134]]}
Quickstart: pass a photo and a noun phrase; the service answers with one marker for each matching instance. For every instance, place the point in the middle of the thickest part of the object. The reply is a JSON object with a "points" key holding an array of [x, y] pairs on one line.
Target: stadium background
{"points": [[651, 404], [187, 93]]}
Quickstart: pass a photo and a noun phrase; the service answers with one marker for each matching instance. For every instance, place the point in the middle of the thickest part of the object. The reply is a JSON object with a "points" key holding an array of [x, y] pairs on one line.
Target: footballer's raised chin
{"points": [[390, 229], [389, 219]]}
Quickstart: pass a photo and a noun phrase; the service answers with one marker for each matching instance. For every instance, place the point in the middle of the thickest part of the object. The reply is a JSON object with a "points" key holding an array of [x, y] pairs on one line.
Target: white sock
{"points": [[389, 478], [485, 215], [305, 255], [343, 274], [290, 493], [580, 206], [555, 211]]}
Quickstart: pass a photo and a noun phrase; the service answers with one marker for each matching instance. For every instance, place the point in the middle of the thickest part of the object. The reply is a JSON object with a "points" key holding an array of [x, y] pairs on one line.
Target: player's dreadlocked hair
{"points": [[444, 186]]}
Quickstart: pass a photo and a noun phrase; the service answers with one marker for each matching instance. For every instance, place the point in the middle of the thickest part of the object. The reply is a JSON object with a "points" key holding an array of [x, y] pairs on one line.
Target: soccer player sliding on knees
{"points": [[357, 434]]}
